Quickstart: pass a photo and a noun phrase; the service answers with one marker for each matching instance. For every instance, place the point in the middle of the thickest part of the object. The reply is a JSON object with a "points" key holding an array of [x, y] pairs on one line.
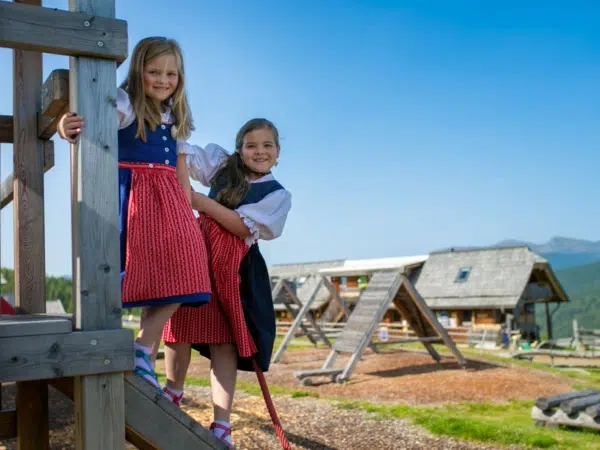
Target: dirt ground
{"points": [[398, 376], [311, 423]]}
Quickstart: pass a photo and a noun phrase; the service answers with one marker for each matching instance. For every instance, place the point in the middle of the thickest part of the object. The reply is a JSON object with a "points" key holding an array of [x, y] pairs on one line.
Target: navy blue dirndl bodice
{"points": [[255, 288]]}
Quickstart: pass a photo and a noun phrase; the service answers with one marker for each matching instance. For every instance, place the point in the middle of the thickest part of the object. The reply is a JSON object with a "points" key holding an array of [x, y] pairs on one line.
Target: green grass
{"points": [[505, 424]]}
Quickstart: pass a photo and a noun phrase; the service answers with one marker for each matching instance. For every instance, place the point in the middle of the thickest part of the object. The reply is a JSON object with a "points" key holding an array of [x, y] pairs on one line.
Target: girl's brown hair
{"points": [[148, 112], [233, 173]]}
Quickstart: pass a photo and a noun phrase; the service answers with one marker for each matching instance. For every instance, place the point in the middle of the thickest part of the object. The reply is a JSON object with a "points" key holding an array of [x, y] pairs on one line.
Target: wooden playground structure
{"points": [[384, 288], [86, 356]]}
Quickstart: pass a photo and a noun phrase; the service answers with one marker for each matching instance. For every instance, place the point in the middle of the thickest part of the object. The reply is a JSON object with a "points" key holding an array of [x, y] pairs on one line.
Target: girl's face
{"points": [[161, 76], [260, 151]]}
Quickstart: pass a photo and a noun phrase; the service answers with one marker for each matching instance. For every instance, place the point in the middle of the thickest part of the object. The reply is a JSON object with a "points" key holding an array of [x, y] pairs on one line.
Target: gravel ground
{"points": [[309, 424]]}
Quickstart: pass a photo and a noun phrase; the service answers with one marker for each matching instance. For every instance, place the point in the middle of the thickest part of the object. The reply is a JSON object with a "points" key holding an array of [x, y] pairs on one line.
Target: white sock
{"points": [[218, 432], [177, 392]]}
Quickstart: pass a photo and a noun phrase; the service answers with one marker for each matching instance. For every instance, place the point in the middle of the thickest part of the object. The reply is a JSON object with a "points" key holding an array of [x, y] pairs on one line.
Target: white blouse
{"points": [[126, 115], [264, 219]]}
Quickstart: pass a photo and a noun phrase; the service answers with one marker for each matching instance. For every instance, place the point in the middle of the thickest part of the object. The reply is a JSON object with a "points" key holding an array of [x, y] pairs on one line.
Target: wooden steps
{"points": [[45, 347]]}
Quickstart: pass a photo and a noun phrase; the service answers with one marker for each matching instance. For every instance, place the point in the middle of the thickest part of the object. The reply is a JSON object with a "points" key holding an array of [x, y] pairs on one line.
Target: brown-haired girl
{"points": [[237, 329], [163, 255]]}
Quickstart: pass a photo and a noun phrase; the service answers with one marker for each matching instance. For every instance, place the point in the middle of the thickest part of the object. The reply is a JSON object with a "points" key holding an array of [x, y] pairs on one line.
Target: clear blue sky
{"points": [[407, 126]]}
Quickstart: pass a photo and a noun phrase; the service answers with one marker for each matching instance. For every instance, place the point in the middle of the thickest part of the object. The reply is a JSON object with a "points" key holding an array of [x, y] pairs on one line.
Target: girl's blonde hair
{"points": [[148, 112]]}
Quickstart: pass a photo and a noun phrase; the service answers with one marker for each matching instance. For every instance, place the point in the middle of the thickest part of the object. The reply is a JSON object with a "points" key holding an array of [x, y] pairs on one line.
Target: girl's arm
{"points": [[184, 177], [227, 218]]}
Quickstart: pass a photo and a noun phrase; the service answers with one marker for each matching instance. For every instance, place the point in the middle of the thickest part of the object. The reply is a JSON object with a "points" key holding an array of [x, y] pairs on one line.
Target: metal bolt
{"points": [[106, 362], [86, 23], [100, 44], [94, 341]]}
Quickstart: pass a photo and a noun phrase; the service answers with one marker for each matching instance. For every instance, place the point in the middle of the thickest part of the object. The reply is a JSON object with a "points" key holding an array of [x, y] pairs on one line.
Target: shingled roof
{"points": [[483, 278]]}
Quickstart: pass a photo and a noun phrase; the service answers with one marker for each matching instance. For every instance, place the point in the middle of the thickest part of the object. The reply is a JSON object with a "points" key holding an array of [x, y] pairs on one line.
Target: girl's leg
{"points": [[177, 361], [152, 323], [223, 374]]}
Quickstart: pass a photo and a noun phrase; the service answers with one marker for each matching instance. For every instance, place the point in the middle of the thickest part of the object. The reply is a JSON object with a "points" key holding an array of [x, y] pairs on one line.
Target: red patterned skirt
{"points": [[163, 253], [223, 319]]}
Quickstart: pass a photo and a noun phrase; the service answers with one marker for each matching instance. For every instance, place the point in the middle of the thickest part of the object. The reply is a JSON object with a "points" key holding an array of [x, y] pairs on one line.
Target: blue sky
{"points": [[406, 126]]}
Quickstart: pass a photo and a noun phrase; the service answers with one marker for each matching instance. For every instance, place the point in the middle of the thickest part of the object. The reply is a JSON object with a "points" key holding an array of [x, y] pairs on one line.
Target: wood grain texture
{"points": [[8, 184], [34, 325], [8, 424], [6, 130], [50, 30], [99, 399], [30, 270], [65, 354]]}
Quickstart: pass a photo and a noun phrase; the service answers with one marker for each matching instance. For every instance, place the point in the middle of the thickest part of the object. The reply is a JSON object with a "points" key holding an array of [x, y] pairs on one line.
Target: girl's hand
{"points": [[199, 201], [69, 127]]}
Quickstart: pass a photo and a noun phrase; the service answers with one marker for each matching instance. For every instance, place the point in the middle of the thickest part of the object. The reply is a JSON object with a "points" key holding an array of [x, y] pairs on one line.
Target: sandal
{"points": [[224, 435], [176, 399], [148, 375]]}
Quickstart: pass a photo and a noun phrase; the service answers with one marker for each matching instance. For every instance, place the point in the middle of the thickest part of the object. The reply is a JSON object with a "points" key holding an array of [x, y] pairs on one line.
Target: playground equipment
{"points": [[84, 356], [574, 409], [384, 288]]}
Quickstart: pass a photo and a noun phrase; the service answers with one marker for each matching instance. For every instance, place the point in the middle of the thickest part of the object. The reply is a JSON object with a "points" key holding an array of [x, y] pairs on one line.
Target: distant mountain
{"points": [[562, 252], [582, 284], [557, 244]]}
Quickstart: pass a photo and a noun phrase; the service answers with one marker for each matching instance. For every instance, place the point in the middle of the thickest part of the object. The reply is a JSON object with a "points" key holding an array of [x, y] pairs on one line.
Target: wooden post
{"points": [[99, 399], [30, 271], [548, 321]]}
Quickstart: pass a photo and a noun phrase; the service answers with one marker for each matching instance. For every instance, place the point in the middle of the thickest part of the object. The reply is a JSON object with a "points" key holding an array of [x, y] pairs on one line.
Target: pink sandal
{"points": [[224, 435], [176, 399]]}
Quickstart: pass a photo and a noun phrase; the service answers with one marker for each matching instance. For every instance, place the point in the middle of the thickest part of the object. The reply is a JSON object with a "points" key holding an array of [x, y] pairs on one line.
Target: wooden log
{"points": [[546, 403], [8, 424], [49, 30], [8, 184], [572, 406], [30, 271], [99, 399], [593, 411], [66, 354], [6, 130]]}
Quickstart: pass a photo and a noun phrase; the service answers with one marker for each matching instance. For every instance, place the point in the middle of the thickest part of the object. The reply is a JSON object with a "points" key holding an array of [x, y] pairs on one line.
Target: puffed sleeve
{"points": [[266, 219], [124, 109], [203, 163]]}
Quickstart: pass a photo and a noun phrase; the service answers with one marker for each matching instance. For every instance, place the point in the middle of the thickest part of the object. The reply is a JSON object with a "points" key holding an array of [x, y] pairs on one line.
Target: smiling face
{"points": [[161, 77], [259, 151]]}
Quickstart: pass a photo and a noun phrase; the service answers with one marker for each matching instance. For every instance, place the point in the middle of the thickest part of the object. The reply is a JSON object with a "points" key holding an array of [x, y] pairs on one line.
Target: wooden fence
{"points": [[396, 330]]}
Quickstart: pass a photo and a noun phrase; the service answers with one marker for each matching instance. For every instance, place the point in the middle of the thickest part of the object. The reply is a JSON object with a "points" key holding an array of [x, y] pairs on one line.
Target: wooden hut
{"points": [[488, 287]]}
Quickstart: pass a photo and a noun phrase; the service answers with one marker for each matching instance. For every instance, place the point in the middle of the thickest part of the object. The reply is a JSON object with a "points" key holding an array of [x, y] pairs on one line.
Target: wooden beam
{"points": [[8, 184], [30, 270], [55, 102], [48, 356], [8, 424], [6, 130], [49, 30], [99, 399]]}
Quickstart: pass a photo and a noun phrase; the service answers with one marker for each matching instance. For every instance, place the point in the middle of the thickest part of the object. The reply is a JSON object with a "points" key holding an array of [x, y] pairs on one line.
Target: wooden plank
{"points": [[65, 354], [32, 415], [55, 93], [8, 184], [572, 406], [8, 424], [6, 130], [160, 422], [99, 399], [50, 30], [55, 102], [142, 397], [34, 325], [29, 265]]}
